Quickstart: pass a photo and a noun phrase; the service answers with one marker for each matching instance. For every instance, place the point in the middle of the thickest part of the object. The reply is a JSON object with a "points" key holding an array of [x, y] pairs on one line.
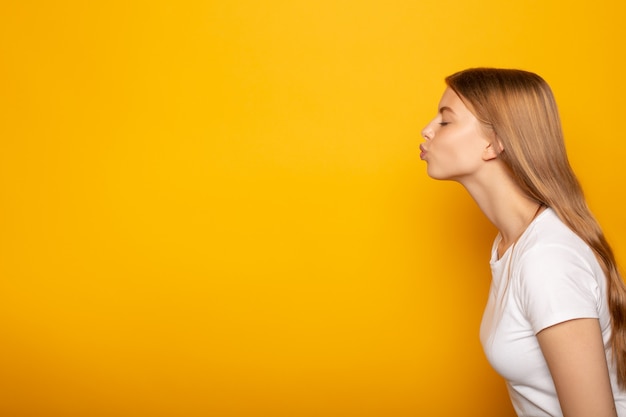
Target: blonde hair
{"points": [[519, 107]]}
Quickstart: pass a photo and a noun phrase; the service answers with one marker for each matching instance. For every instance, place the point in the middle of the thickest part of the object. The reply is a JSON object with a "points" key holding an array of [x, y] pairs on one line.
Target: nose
{"points": [[427, 132]]}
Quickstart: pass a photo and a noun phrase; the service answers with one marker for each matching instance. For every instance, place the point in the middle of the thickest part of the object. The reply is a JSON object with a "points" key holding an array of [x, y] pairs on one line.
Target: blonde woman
{"points": [[555, 323]]}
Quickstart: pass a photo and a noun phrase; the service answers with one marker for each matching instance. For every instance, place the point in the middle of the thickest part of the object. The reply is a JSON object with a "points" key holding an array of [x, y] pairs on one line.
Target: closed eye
{"points": [[444, 123]]}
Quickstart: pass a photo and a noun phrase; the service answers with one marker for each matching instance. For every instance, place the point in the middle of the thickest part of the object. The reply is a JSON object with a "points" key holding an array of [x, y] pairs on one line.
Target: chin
{"points": [[436, 175], [445, 175]]}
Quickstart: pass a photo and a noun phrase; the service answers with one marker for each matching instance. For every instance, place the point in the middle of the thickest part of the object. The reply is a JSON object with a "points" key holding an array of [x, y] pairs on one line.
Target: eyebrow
{"points": [[444, 108]]}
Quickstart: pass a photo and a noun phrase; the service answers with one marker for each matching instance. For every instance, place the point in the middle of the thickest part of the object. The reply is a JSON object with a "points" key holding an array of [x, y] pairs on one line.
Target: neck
{"points": [[504, 204]]}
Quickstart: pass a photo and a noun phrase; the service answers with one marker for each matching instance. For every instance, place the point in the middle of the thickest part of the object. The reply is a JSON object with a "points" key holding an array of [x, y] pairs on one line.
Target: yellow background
{"points": [[218, 208]]}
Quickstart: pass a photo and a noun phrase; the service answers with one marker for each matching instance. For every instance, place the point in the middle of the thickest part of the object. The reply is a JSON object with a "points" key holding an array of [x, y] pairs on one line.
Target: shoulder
{"points": [[550, 242], [556, 275]]}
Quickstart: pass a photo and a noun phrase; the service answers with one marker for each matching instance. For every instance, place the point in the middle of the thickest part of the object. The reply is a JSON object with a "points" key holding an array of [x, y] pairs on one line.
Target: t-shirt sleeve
{"points": [[557, 284]]}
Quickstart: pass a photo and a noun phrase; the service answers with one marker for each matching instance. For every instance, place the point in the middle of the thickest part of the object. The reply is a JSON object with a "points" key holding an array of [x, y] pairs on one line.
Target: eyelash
{"points": [[444, 123]]}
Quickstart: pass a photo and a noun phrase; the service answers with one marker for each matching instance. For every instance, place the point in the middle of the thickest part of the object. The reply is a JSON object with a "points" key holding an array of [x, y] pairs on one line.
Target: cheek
{"points": [[453, 159], [451, 150]]}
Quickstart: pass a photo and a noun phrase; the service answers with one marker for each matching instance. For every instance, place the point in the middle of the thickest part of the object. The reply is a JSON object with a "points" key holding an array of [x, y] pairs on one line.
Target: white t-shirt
{"points": [[549, 276]]}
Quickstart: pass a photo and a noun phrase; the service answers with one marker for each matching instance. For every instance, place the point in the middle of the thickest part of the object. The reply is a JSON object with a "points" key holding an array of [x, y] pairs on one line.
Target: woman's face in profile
{"points": [[456, 145]]}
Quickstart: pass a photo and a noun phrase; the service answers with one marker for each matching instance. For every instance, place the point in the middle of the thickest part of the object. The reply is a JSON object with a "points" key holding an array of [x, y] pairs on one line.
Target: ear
{"points": [[492, 150]]}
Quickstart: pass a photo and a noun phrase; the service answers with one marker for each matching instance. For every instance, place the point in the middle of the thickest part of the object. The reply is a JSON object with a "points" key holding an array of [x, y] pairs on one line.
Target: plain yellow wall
{"points": [[218, 208]]}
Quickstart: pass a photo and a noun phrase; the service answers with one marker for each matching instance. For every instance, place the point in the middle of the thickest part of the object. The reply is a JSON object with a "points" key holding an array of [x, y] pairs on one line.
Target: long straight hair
{"points": [[519, 107]]}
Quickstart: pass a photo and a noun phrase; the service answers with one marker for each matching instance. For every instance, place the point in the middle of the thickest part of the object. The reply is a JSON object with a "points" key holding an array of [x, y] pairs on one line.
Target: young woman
{"points": [[555, 323]]}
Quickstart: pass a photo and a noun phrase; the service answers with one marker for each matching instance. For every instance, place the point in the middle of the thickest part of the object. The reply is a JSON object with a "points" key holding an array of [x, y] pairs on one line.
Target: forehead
{"points": [[450, 100], [452, 105]]}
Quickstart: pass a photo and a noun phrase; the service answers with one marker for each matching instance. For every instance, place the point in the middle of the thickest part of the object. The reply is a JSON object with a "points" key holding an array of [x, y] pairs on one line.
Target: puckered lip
{"points": [[423, 151]]}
